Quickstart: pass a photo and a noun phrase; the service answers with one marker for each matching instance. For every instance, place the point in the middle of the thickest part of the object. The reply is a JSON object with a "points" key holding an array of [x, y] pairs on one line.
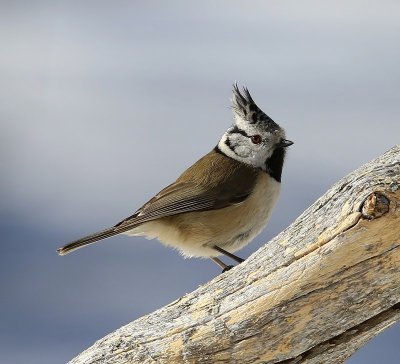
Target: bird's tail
{"points": [[90, 239]]}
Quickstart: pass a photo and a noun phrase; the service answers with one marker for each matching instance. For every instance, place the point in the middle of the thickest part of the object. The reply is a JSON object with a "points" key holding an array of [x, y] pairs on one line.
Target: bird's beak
{"points": [[284, 143]]}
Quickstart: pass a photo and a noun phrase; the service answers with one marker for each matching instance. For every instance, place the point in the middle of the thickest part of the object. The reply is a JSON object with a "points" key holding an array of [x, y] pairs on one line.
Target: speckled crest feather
{"points": [[246, 109]]}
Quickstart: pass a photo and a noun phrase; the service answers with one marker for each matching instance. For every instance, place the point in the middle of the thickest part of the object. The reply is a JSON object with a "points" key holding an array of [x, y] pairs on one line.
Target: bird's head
{"points": [[254, 136]]}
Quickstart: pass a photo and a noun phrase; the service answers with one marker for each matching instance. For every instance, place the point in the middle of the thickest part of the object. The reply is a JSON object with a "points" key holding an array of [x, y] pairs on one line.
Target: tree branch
{"points": [[314, 294]]}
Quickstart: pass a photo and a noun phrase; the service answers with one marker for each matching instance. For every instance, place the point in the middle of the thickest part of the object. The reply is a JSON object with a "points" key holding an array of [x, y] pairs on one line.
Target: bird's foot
{"points": [[228, 267]]}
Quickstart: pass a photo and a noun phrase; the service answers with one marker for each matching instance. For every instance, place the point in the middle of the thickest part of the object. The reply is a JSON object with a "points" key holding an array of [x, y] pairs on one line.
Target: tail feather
{"points": [[90, 239]]}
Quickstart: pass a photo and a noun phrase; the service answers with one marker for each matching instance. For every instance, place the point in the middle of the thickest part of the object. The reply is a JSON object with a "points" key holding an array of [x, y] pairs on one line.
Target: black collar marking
{"points": [[274, 164], [236, 130]]}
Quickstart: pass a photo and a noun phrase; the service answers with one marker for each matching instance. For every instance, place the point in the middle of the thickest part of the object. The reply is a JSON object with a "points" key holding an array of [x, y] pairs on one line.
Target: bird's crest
{"points": [[246, 110]]}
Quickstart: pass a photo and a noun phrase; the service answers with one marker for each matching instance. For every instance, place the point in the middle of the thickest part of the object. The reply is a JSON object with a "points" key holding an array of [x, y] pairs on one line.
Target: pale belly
{"points": [[231, 228]]}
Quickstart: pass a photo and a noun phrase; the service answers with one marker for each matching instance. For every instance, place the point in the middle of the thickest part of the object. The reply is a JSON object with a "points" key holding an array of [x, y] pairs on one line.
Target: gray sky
{"points": [[104, 103]]}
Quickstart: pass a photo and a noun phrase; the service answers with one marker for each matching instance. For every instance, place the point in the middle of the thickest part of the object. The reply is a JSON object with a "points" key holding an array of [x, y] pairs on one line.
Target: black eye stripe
{"points": [[236, 130]]}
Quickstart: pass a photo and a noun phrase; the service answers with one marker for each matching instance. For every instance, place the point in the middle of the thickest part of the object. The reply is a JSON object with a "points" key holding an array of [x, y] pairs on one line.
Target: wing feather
{"points": [[176, 199]]}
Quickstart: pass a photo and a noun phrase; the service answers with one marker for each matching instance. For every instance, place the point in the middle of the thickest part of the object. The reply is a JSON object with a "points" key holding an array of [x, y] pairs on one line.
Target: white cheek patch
{"points": [[244, 151]]}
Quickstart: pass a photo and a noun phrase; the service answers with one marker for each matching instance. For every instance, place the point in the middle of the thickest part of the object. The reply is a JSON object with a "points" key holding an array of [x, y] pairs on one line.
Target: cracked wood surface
{"points": [[314, 294]]}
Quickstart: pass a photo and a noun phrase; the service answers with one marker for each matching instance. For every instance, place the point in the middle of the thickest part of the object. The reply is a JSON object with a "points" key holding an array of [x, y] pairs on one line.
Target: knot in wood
{"points": [[375, 205]]}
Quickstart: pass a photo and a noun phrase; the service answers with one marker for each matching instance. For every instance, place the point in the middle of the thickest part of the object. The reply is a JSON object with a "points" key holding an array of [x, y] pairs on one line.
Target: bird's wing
{"points": [[201, 187], [213, 182], [181, 197]]}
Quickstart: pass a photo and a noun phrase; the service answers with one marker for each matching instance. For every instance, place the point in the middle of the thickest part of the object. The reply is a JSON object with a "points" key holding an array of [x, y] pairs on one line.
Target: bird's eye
{"points": [[256, 139]]}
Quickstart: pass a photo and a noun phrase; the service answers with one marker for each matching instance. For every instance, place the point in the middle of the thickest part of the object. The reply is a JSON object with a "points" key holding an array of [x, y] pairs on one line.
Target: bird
{"points": [[220, 203]]}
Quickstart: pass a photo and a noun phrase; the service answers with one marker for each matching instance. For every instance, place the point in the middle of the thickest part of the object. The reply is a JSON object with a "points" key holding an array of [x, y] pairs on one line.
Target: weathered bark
{"points": [[314, 294]]}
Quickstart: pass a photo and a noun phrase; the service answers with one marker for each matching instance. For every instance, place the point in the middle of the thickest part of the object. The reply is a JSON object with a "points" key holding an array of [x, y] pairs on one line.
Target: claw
{"points": [[228, 267]]}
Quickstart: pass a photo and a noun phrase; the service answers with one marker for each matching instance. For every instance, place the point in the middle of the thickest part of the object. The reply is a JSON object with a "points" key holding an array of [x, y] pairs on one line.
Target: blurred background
{"points": [[104, 103]]}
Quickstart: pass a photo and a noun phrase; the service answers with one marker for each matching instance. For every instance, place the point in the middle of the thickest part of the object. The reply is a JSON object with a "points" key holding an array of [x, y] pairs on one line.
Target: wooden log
{"points": [[314, 294]]}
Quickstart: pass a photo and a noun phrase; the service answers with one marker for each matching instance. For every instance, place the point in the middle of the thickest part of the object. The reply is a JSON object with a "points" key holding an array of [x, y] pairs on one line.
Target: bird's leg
{"points": [[230, 255], [221, 264]]}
